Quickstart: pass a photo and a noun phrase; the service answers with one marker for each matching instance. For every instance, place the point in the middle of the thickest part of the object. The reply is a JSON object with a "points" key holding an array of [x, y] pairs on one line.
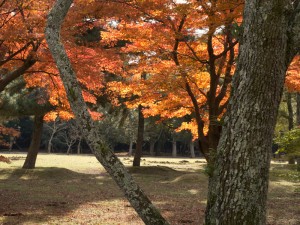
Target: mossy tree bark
{"points": [[238, 184], [139, 201], [35, 142]]}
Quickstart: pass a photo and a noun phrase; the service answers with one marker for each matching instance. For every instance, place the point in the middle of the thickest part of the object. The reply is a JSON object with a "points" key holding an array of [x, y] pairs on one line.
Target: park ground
{"points": [[75, 189]]}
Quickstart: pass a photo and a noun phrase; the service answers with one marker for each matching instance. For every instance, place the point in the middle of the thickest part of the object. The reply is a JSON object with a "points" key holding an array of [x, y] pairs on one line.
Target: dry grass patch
{"points": [[71, 189]]}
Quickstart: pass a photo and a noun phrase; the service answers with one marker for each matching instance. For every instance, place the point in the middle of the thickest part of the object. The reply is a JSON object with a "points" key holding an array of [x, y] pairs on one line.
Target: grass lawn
{"points": [[75, 189]]}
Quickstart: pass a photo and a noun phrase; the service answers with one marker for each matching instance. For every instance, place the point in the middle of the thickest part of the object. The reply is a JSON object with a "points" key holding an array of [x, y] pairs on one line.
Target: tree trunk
{"points": [[11, 143], [238, 183], [130, 148], [140, 138], [174, 148], [152, 145], [139, 201], [35, 142], [69, 149], [291, 160], [298, 109], [290, 110], [79, 146], [192, 149], [49, 148]]}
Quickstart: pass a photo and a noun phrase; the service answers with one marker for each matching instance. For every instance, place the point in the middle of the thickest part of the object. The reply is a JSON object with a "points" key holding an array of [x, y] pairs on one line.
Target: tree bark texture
{"points": [[35, 142], [238, 183], [290, 110], [140, 138], [139, 201]]}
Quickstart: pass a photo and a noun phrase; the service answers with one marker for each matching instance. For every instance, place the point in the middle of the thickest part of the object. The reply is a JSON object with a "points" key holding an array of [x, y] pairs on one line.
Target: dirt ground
{"points": [[75, 189]]}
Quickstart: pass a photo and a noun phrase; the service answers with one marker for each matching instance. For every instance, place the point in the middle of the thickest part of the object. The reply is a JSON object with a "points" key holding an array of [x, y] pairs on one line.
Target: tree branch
{"points": [[2, 62], [9, 77]]}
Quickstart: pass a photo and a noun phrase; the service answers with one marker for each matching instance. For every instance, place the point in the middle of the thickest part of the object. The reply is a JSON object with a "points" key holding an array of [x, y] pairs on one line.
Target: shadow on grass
{"points": [[58, 195]]}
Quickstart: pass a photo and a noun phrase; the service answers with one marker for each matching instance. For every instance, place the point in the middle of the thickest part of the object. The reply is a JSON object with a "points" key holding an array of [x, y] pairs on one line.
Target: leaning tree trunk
{"points": [[140, 138], [140, 202], [35, 142], [238, 184]]}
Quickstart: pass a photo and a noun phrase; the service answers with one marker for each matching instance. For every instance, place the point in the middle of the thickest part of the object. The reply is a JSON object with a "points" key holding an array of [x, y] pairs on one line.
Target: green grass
{"points": [[76, 190]]}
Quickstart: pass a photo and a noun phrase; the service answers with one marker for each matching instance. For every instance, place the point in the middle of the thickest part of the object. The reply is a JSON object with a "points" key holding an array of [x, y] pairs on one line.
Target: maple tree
{"points": [[292, 81], [24, 52], [187, 51]]}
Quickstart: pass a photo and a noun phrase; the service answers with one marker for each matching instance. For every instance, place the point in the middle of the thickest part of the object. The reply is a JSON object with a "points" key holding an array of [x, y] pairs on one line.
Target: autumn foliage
{"points": [[185, 50]]}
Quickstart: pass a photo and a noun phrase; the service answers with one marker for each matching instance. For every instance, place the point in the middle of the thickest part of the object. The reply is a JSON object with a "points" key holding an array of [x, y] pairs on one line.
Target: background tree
{"points": [[187, 50]]}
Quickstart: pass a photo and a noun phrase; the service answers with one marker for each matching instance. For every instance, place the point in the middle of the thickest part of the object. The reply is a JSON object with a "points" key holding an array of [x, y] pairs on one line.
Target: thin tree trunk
{"points": [[130, 148], [152, 145], [11, 143], [79, 146], [290, 110], [35, 142], [140, 138], [298, 109], [238, 183], [192, 149], [174, 148], [139, 201], [69, 149], [49, 149]]}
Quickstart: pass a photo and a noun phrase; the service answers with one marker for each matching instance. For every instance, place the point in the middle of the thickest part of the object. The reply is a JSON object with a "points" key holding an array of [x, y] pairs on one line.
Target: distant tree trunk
{"points": [[290, 110], [298, 163], [174, 148], [35, 142], [291, 160], [159, 147], [238, 183], [49, 148], [298, 109], [139, 201], [140, 138], [79, 146], [69, 149], [11, 143], [192, 149], [152, 145], [130, 148]]}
